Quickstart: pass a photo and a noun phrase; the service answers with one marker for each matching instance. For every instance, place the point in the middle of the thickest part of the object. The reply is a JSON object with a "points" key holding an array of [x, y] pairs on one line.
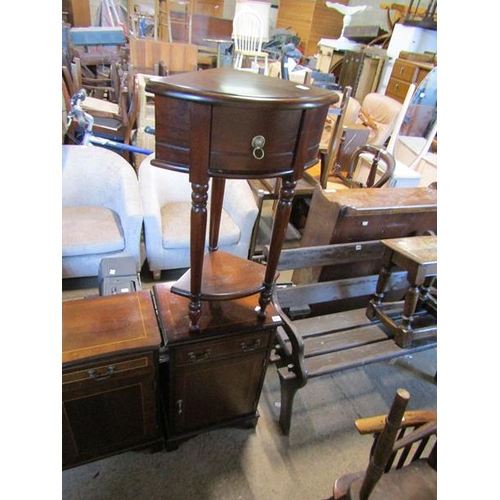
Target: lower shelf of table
{"points": [[225, 277]]}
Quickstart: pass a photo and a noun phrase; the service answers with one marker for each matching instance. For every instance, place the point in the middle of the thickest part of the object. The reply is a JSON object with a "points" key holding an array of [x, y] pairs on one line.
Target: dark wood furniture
{"points": [[351, 215], [403, 458], [361, 69], [109, 369], [325, 327], [214, 377], [224, 123], [418, 320]]}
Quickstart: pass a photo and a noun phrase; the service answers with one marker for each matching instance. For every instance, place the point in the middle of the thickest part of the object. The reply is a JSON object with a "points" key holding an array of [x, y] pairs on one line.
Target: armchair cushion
{"points": [[90, 230], [166, 203], [176, 217]]}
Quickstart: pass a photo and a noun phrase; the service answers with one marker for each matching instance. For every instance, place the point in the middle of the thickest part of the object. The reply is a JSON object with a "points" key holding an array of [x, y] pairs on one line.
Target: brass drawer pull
{"points": [[199, 357], [258, 144], [251, 347], [103, 376]]}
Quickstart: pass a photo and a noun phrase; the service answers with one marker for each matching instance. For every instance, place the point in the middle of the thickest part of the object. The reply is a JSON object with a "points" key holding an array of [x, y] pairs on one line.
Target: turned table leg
{"points": [[383, 280], [280, 224], [199, 199]]}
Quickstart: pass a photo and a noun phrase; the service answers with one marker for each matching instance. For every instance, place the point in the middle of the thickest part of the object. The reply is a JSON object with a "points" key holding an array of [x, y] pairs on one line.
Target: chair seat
{"points": [[101, 107], [90, 230], [176, 217], [417, 481]]}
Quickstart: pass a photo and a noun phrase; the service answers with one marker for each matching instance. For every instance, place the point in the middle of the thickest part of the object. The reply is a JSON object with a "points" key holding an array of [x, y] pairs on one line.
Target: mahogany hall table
{"points": [[224, 123], [418, 319]]}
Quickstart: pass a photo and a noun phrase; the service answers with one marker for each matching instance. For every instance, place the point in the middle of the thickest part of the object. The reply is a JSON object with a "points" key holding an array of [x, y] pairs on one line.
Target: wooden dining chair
{"points": [[403, 458]]}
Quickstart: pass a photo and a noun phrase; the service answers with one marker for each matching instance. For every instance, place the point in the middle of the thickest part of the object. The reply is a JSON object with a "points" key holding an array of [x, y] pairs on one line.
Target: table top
{"points": [[384, 200], [228, 86], [419, 249], [219, 318], [104, 325]]}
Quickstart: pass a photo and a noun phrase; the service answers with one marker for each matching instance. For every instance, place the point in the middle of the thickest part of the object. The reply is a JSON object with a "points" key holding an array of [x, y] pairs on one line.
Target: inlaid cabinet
{"points": [[110, 349]]}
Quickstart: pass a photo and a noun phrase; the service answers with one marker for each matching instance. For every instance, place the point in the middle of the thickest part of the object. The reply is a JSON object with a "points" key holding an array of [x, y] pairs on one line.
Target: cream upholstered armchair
{"points": [[166, 202], [378, 112], [101, 210]]}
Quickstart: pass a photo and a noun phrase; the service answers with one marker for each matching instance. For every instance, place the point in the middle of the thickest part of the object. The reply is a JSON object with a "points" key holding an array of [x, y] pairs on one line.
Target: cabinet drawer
{"points": [[404, 71], [107, 370], [208, 351], [397, 89]]}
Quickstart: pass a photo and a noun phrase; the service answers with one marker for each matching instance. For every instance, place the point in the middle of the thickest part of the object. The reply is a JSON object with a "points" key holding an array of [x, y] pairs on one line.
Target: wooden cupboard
{"points": [[213, 377], [404, 73], [110, 349], [312, 20]]}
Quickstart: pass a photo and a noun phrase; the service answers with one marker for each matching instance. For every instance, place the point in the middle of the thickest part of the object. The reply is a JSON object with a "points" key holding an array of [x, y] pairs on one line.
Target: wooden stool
{"points": [[418, 318]]}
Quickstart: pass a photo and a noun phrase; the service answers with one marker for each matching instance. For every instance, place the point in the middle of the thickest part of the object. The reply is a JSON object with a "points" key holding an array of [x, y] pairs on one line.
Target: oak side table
{"points": [[224, 123], [417, 255]]}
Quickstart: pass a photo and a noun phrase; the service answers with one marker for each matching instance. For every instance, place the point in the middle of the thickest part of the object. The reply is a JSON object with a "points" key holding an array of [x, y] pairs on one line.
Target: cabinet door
{"points": [[213, 389], [108, 408]]}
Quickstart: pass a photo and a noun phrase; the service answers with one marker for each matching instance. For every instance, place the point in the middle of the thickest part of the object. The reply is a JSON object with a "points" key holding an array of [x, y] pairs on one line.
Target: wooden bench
{"points": [[325, 326]]}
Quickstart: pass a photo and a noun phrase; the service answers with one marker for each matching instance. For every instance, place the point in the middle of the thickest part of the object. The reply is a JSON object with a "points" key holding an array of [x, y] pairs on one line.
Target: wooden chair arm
{"points": [[374, 425]]}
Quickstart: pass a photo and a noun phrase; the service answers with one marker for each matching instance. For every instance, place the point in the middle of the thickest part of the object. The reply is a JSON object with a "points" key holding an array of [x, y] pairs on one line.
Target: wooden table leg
{"points": [[216, 200], [280, 225], [199, 199], [383, 280]]}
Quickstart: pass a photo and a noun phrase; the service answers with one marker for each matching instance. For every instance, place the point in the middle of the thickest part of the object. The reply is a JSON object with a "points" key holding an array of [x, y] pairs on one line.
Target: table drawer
{"points": [[404, 71], [211, 350], [241, 144]]}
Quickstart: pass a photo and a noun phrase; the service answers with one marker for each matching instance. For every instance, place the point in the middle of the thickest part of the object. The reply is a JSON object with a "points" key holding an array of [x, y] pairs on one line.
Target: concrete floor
{"points": [[261, 463]]}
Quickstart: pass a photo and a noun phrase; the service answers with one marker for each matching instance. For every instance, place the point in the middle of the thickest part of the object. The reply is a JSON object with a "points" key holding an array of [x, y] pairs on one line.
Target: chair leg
{"points": [[288, 387], [156, 275]]}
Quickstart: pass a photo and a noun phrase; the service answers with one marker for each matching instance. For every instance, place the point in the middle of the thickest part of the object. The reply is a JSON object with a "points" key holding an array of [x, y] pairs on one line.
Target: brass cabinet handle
{"points": [[251, 347], [96, 376], [199, 357], [258, 144]]}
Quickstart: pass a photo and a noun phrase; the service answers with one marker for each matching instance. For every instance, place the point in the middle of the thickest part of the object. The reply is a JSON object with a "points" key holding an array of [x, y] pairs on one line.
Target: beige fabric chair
{"points": [[378, 112], [101, 210], [166, 202]]}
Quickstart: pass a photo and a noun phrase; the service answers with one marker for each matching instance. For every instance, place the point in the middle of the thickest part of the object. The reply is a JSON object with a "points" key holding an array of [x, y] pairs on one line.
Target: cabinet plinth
{"points": [[223, 123]]}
